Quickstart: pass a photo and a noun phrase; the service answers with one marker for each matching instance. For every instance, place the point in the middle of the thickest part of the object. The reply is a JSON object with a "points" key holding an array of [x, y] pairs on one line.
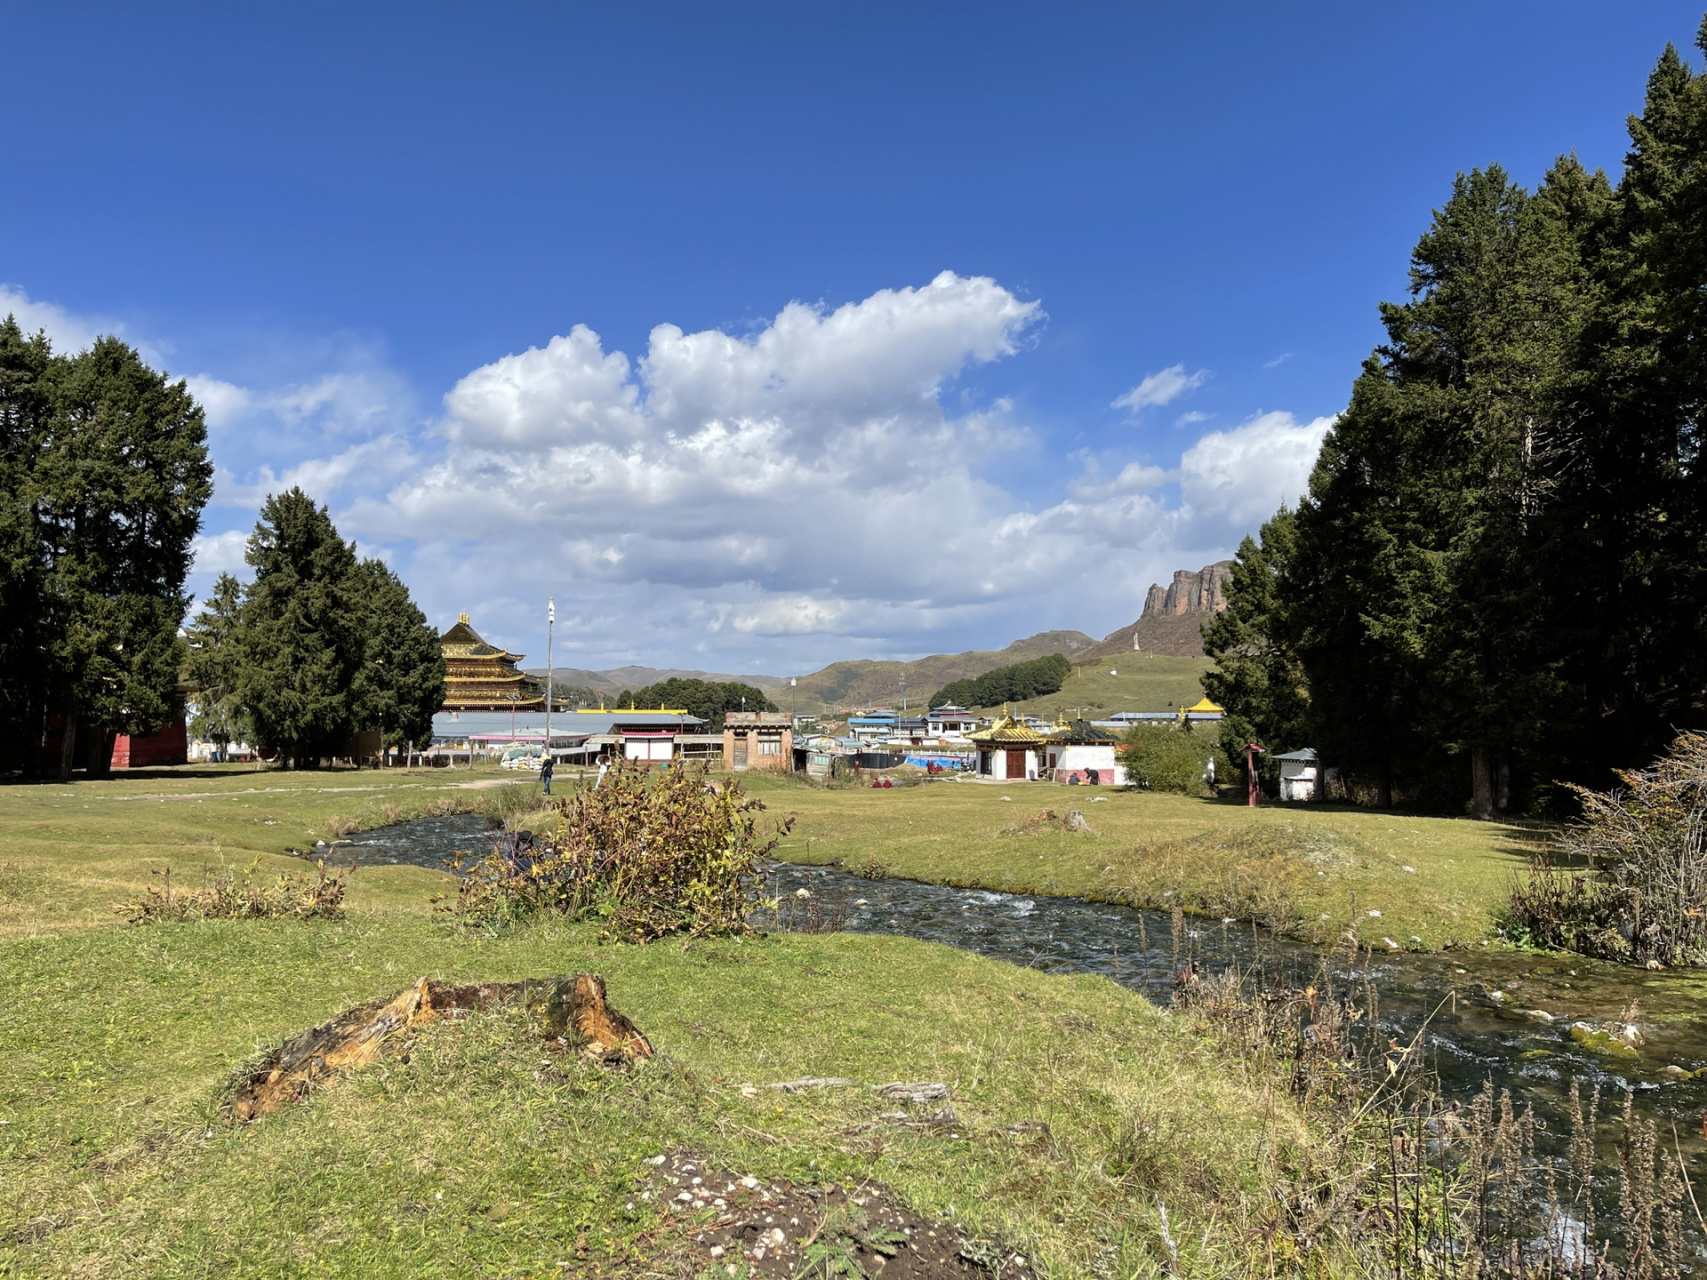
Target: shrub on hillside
{"points": [[1169, 758], [647, 854], [1643, 896]]}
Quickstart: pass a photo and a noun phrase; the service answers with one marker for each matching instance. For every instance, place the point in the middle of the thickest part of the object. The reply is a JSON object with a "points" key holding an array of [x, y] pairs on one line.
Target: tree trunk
{"points": [[1481, 783], [1502, 784], [1384, 784], [101, 753], [67, 746]]}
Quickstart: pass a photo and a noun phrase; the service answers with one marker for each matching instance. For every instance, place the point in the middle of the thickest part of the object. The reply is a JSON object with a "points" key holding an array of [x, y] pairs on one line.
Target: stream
{"points": [[1497, 1015]]}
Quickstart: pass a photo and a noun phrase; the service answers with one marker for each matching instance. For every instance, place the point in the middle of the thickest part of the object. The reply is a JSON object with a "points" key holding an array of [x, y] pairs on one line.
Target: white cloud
{"points": [[1279, 360], [791, 615], [816, 489], [217, 553], [372, 463], [1161, 388], [67, 332], [1239, 478], [223, 403], [1186, 419]]}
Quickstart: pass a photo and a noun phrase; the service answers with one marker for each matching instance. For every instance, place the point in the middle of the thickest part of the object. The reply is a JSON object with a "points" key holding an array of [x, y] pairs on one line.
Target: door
{"points": [[740, 755], [1016, 763]]}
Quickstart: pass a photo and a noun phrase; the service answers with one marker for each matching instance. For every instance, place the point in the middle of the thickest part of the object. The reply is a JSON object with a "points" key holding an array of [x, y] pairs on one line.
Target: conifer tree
{"points": [[26, 409], [118, 492], [402, 679], [300, 643], [1257, 675]]}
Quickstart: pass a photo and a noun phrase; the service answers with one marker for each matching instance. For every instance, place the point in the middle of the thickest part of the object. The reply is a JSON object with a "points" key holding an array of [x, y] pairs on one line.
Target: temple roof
{"points": [[1007, 730], [1081, 731], [463, 641], [1204, 706]]}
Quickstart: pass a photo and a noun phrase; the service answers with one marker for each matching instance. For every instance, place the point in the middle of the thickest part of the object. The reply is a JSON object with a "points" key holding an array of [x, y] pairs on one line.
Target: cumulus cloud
{"points": [[218, 553], [820, 487], [68, 332], [1161, 388], [1239, 478]]}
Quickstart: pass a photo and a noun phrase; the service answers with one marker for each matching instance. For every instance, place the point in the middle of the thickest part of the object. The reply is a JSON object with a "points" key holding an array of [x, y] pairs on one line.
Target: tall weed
{"points": [[1643, 897]]}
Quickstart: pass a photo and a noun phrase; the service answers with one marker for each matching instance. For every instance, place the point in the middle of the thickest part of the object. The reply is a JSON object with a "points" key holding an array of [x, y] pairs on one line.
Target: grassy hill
{"points": [[1144, 682], [868, 683]]}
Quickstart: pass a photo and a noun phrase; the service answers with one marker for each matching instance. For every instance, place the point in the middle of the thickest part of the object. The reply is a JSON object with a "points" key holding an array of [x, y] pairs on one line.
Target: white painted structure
{"points": [[1298, 774], [1068, 761]]}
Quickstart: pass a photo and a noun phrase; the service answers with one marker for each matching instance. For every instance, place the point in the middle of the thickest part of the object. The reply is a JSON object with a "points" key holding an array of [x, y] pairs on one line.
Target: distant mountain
{"points": [[871, 683], [1171, 625], [619, 678], [1173, 617]]}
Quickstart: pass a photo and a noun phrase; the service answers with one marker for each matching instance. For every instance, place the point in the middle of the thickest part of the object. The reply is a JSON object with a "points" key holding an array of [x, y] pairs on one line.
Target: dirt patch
{"points": [[737, 1224], [573, 1012]]}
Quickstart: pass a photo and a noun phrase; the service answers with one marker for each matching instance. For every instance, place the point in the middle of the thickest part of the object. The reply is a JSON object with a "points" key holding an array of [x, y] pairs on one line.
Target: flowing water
{"points": [[1482, 1015]]}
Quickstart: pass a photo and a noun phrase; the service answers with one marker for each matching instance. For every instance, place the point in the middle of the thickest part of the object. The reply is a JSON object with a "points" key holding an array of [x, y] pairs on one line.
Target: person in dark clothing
{"points": [[545, 772]]}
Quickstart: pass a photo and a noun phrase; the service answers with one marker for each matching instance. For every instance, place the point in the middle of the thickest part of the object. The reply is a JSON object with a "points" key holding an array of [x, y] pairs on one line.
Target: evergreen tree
{"points": [[26, 411], [118, 492], [710, 700], [1257, 678], [213, 665], [300, 640], [402, 678]]}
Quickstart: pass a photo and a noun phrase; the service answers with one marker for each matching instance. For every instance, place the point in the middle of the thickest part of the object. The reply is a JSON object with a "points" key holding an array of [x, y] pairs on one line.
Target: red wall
{"points": [[169, 746]]}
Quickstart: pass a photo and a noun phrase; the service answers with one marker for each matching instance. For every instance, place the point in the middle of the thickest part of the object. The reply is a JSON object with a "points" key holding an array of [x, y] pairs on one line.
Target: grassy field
{"points": [[1434, 881], [1077, 1104], [1142, 682]]}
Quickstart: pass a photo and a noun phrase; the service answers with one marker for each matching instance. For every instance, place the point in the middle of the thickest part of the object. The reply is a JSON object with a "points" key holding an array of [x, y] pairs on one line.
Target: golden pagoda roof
{"points": [[1006, 730], [1205, 707], [463, 641]]}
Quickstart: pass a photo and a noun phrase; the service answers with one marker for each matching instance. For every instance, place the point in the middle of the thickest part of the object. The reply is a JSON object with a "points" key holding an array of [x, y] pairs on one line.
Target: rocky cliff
{"points": [[1173, 617]]}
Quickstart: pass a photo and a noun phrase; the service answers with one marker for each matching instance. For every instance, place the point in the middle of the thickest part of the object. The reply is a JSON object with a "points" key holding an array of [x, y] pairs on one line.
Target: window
{"points": [[770, 747]]}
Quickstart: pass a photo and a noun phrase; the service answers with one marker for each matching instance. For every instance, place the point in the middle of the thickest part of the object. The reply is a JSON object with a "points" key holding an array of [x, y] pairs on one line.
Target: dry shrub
{"points": [[1643, 897], [647, 854], [1458, 1192], [316, 895]]}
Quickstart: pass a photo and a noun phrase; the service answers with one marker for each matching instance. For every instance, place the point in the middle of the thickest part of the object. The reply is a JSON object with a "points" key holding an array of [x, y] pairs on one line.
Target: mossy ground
{"points": [[1079, 1104]]}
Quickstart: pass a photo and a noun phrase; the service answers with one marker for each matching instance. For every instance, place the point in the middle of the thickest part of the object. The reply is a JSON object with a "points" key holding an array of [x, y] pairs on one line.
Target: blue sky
{"points": [[348, 225]]}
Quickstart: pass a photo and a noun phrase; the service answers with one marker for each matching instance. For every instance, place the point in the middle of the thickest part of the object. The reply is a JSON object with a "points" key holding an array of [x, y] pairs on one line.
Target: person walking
{"points": [[545, 772]]}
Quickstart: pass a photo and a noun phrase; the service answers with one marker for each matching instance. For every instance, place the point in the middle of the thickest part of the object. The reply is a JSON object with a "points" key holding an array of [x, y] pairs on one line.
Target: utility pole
{"points": [[903, 692], [550, 622]]}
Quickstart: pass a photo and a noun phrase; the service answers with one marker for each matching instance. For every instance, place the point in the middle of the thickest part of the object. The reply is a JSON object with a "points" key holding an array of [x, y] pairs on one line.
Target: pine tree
{"points": [[402, 679], [26, 411], [213, 665], [300, 640], [1257, 677], [118, 492]]}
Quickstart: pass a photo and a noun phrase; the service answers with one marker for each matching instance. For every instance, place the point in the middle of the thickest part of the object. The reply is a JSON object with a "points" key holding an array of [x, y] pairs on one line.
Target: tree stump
{"points": [[574, 1010]]}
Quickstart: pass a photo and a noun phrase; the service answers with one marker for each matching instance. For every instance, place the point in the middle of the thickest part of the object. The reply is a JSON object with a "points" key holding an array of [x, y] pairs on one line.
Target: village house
{"points": [[1081, 753], [876, 725], [950, 723], [1009, 751], [758, 740]]}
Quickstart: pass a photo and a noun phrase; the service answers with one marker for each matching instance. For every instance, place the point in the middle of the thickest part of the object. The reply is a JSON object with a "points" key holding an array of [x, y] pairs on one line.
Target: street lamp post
{"points": [[550, 623]]}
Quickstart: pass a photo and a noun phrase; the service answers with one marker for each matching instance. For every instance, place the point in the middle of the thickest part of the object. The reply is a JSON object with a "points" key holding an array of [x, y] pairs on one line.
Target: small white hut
{"points": [[1299, 772]]}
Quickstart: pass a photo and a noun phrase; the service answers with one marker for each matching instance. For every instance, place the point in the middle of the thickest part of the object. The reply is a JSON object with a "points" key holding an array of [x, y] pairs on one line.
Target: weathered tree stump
{"points": [[574, 1010]]}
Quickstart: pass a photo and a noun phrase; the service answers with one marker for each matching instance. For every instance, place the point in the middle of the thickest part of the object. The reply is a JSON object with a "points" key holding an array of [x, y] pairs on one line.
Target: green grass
{"points": [[486, 1154], [76, 849], [1144, 682], [1435, 881]]}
